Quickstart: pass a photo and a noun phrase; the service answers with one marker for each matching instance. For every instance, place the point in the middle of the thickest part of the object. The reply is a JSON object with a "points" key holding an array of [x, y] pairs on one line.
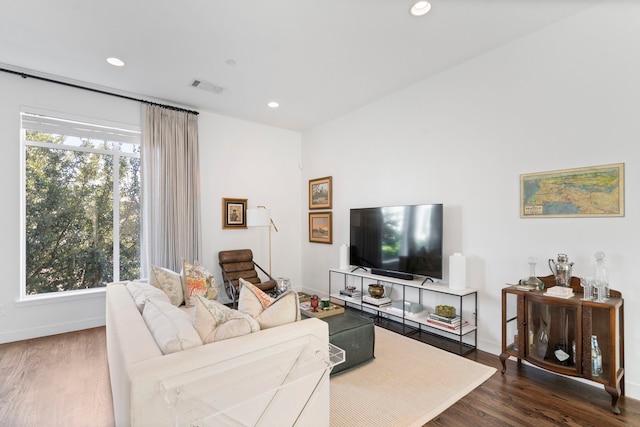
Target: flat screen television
{"points": [[398, 241]]}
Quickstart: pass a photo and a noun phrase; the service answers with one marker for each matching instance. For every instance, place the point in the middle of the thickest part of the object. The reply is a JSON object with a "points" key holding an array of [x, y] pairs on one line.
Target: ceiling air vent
{"points": [[208, 86]]}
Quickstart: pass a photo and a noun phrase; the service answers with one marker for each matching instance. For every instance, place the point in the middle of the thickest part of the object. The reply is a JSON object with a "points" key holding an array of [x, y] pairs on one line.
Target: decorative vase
{"points": [[533, 279], [543, 341], [376, 290]]}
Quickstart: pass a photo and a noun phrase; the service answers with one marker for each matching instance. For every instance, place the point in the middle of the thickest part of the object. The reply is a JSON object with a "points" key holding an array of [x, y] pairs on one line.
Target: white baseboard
{"points": [[631, 389], [43, 331]]}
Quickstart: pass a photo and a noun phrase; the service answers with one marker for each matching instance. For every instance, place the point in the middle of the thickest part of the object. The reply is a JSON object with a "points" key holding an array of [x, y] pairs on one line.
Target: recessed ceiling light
{"points": [[116, 62], [420, 8], [273, 104]]}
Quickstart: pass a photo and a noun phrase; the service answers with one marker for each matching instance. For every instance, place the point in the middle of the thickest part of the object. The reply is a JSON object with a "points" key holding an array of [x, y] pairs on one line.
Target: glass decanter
{"points": [[601, 278], [533, 280]]}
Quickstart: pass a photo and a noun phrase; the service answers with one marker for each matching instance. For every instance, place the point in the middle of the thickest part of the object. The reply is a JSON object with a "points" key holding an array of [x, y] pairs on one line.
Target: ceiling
{"points": [[318, 59]]}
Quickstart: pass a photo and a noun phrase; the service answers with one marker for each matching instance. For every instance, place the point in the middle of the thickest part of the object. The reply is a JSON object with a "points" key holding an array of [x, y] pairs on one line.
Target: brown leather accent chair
{"points": [[238, 264]]}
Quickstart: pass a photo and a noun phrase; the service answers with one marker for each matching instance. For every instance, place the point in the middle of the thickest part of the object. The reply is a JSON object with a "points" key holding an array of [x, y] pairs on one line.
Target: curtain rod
{"points": [[46, 79]]}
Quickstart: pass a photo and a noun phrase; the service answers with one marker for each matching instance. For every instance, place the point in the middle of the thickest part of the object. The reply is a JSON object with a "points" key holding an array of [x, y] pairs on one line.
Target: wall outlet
{"points": [[1, 310]]}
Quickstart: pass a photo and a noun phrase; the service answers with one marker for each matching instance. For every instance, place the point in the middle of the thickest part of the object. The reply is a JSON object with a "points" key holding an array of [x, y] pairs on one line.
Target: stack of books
{"points": [[352, 293], [559, 292], [453, 323], [376, 301]]}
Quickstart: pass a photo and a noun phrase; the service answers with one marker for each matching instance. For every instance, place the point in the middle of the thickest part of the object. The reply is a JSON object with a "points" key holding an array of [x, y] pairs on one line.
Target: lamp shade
{"points": [[258, 217]]}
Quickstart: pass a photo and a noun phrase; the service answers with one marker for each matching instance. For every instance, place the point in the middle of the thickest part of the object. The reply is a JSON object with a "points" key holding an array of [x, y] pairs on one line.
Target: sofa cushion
{"points": [[269, 312], [196, 280], [171, 327], [169, 281], [216, 322], [141, 292]]}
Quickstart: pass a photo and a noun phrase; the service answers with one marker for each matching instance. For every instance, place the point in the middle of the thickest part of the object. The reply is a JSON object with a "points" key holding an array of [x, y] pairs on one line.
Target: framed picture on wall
{"points": [[593, 191], [234, 213], [320, 193], [320, 227]]}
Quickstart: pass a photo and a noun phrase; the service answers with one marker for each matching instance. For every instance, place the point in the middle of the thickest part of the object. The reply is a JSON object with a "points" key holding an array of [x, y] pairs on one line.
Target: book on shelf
{"points": [[547, 294], [400, 312], [450, 320], [447, 325], [376, 301], [561, 291], [350, 293]]}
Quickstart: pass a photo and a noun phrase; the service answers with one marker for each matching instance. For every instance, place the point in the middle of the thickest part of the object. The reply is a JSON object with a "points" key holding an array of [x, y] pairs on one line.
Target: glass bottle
{"points": [[533, 280], [543, 341], [596, 357], [601, 277]]}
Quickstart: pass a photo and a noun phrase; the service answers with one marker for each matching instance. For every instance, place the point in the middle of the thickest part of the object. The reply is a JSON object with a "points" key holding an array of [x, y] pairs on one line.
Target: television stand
{"points": [[418, 325], [394, 274]]}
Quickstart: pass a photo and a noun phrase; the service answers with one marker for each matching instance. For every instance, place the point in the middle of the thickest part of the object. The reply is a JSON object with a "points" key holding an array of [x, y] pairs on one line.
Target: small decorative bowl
{"points": [[376, 291], [446, 311]]}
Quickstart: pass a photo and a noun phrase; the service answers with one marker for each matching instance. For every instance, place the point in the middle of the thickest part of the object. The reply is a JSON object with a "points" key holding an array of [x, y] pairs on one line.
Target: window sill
{"points": [[57, 297]]}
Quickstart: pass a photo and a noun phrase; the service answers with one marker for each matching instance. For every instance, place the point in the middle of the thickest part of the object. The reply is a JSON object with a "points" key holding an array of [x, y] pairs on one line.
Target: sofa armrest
{"points": [[128, 342], [222, 365]]}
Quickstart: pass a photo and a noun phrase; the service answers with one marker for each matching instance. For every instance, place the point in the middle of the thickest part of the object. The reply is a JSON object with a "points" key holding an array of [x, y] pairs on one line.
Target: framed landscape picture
{"points": [[234, 213], [320, 193], [320, 228], [594, 191]]}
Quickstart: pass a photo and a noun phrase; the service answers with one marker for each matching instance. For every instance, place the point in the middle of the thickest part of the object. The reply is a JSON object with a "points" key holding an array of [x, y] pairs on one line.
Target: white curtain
{"points": [[170, 195]]}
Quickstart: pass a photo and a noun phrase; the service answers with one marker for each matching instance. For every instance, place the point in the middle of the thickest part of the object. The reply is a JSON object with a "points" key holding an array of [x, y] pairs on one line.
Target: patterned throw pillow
{"points": [[216, 322], [196, 280], [169, 281], [269, 312]]}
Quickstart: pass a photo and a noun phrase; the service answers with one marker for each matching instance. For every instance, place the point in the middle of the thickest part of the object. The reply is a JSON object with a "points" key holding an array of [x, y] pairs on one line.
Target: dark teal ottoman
{"points": [[355, 335]]}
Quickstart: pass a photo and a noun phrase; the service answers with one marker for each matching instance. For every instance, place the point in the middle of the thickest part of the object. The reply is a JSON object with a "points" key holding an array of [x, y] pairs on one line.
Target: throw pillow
{"points": [[216, 322], [141, 292], [171, 327], [269, 312], [169, 281], [196, 280]]}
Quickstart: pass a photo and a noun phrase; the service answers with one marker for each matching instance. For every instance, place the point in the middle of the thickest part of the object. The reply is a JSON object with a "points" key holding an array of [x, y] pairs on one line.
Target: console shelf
{"points": [[415, 325]]}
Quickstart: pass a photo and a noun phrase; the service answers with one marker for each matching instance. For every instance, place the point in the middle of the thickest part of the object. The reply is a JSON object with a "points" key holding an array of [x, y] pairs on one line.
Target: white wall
{"points": [[564, 97], [262, 164], [238, 159]]}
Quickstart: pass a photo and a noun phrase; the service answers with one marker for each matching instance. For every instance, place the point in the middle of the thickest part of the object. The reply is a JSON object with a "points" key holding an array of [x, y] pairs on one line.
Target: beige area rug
{"points": [[407, 384]]}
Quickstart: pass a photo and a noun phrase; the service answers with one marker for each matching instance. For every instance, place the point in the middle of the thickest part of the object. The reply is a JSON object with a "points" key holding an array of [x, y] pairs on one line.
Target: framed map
{"points": [[596, 191]]}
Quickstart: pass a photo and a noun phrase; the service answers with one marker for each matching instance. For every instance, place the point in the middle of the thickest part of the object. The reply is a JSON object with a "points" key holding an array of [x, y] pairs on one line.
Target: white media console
{"points": [[409, 294]]}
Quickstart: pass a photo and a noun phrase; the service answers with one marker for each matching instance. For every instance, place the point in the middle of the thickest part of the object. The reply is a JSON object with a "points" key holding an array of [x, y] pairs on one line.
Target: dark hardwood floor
{"points": [[527, 396], [63, 381]]}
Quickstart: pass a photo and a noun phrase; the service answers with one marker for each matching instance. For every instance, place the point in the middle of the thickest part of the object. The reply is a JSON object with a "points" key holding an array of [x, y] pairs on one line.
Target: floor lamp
{"points": [[261, 217]]}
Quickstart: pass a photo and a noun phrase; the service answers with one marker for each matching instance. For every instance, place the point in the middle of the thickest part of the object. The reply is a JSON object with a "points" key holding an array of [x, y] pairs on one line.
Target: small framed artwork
{"points": [[320, 228], [320, 193], [234, 213]]}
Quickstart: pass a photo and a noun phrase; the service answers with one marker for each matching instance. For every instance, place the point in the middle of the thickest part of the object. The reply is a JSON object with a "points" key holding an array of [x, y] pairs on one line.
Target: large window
{"points": [[81, 203]]}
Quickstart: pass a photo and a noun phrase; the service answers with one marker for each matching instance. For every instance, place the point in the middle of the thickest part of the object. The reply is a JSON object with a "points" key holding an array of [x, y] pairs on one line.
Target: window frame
{"points": [[117, 154]]}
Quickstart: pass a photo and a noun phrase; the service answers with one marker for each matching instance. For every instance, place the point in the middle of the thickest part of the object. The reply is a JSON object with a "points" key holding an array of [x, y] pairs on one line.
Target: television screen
{"points": [[403, 239]]}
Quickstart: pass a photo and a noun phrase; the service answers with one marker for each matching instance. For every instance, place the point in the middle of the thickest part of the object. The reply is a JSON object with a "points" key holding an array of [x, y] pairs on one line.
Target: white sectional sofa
{"points": [[273, 377]]}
